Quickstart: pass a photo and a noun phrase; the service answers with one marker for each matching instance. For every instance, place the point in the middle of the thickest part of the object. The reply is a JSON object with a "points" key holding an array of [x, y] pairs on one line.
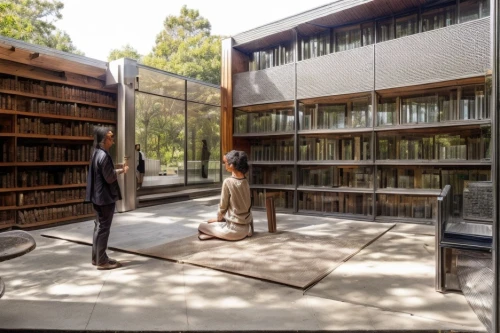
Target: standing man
{"points": [[141, 165], [103, 191]]}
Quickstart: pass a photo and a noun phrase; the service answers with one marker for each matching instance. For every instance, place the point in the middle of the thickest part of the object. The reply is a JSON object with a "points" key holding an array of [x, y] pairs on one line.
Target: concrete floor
{"points": [[387, 286]]}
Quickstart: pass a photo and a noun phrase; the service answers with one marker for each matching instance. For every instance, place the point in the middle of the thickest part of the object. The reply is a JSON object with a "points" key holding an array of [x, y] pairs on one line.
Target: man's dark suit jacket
{"points": [[102, 185]]}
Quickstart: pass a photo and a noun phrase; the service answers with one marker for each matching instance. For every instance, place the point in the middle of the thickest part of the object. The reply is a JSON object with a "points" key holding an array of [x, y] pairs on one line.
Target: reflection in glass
{"points": [[385, 30], [159, 126], [438, 18], [466, 144], [203, 143], [201, 93], [154, 82], [336, 176], [406, 26], [336, 202], [473, 9], [407, 206]]}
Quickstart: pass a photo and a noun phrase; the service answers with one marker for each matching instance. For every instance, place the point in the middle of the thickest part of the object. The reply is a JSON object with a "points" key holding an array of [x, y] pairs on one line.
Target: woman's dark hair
{"points": [[238, 159], [100, 133]]}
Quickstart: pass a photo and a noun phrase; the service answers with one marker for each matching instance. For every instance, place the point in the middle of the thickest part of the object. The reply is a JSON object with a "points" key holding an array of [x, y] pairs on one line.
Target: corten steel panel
{"points": [[455, 52], [336, 74], [265, 86]]}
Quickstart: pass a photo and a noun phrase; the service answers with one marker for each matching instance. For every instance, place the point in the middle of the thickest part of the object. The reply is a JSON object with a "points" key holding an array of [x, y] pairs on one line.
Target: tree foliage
{"points": [[187, 48], [32, 21], [126, 51]]}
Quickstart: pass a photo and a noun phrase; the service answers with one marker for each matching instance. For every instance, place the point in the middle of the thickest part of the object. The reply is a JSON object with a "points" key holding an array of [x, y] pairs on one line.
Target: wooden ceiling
{"points": [[50, 59]]}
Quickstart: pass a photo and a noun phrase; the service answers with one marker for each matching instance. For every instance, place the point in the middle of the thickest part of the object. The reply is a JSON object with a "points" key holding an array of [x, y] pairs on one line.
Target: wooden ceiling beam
{"points": [[11, 53]]}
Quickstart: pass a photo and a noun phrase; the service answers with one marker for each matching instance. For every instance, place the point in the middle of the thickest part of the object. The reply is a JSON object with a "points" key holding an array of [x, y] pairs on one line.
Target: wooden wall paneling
{"points": [[232, 62]]}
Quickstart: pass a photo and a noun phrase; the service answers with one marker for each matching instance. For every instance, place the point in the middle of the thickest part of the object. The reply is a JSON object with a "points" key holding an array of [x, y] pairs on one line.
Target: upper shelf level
{"points": [[455, 52]]}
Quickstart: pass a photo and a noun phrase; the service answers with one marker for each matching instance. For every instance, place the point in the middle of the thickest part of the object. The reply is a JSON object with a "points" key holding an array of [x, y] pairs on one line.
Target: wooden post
{"points": [[271, 214]]}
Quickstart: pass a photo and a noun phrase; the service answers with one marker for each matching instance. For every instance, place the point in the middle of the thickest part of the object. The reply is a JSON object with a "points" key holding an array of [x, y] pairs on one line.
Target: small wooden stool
{"points": [[271, 214]]}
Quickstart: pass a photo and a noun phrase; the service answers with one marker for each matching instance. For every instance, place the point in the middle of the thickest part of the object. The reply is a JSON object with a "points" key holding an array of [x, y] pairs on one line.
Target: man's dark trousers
{"points": [[102, 226]]}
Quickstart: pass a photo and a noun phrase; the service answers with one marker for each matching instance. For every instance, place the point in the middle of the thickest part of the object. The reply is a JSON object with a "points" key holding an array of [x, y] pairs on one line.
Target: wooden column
{"points": [[232, 62]]}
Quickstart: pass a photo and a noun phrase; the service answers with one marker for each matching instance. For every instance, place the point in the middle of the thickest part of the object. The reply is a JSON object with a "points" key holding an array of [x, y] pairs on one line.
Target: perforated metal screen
{"points": [[336, 74], [459, 51], [265, 86]]}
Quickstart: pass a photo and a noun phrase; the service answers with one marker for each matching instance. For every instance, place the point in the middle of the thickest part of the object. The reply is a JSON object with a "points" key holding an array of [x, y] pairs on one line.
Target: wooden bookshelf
{"points": [[46, 126]]}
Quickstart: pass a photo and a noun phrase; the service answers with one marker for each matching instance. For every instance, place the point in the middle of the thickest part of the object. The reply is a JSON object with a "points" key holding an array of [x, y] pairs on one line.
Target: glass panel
{"points": [[336, 176], [386, 112], [406, 26], [159, 129], [335, 148], [347, 38], [283, 200], [473, 9], [407, 206], [472, 104], [286, 54], [336, 203], [160, 83], [272, 175], [422, 109], [361, 114], [367, 34], [438, 18], [385, 30], [203, 143], [466, 144], [272, 150], [276, 120], [201, 93]]}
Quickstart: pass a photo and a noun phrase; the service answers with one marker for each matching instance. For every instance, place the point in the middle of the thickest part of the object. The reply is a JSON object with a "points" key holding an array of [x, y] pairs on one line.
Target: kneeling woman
{"points": [[234, 218]]}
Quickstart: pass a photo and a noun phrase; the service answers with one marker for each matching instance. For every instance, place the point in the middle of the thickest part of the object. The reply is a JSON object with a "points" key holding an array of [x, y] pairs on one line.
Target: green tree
{"points": [[126, 51], [32, 21], [187, 48]]}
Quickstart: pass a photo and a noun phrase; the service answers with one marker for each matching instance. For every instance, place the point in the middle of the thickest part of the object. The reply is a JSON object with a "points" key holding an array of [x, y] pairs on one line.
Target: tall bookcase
{"points": [[368, 119], [368, 155], [46, 128]]}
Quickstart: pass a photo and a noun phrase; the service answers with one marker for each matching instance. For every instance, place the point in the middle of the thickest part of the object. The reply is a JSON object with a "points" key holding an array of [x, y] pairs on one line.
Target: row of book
{"points": [[405, 206], [355, 148], [354, 114], [439, 147], [7, 217], [333, 202], [272, 150], [41, 126], [31, 216], [48, 197], [23, 104], [43, 88], [334, 176], [269, 121], [282, 199], [282, 175], [7, 179], [53, 153], [67, 176], [7, 199], [7, 154]]}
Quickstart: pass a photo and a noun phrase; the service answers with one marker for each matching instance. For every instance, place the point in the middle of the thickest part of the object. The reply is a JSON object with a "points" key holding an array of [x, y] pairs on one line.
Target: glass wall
{"points": [[166, 106]]}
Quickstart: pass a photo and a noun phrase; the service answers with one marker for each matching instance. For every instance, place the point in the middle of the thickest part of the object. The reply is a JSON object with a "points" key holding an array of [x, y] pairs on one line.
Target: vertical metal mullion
{"points": [[296, 127], [495, 120], [373, 152], [185, 136]]}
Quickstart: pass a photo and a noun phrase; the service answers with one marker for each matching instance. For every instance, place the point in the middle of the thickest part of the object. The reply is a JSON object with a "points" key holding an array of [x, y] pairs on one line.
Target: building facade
{"points": [[363, 109]]}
